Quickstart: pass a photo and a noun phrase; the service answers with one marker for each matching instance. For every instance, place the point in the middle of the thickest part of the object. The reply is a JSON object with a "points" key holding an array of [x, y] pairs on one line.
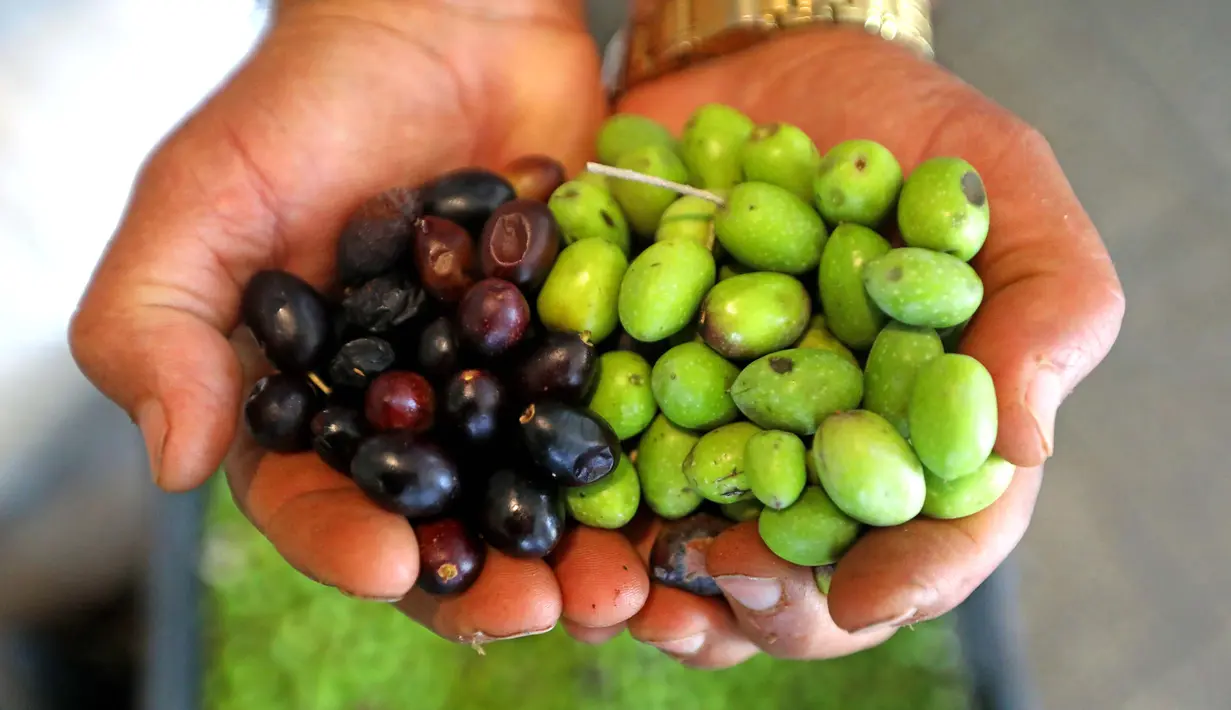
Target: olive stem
{"points": [[320, 384], [633, 175]]}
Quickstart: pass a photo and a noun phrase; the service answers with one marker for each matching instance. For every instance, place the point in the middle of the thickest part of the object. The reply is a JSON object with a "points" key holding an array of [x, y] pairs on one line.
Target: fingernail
{"points": [[481, 637], [753, 593], [1042, 400], [362, 598], [153, 425], [892, 623], [686, 646]]}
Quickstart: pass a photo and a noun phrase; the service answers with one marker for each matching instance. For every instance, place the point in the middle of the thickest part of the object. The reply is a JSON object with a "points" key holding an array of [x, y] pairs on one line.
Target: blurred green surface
{"points": [[277, 640]]}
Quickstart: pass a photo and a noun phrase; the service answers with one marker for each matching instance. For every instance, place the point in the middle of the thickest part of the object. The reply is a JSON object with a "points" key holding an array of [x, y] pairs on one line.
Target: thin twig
{"points": [[622, 174]]}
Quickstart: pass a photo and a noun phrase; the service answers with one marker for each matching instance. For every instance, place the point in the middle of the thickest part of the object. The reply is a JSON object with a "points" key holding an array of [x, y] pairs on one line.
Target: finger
{"points": [[602, 580], [777, 604], [923, 569], [592, 636], [1053, 304], [697, 631], [511, 598]]}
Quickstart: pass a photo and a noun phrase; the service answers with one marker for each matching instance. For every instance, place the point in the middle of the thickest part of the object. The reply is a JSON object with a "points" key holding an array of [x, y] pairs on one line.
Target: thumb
{"points": [[262, 176]]}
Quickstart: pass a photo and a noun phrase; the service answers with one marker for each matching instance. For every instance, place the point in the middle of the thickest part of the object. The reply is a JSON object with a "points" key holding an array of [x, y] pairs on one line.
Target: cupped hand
{"points": [[342, 100], [1052, 310]]}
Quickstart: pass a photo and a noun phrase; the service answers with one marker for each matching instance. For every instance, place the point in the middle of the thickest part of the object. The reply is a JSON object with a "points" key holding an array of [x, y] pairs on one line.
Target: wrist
{"points": [[667, 35]]}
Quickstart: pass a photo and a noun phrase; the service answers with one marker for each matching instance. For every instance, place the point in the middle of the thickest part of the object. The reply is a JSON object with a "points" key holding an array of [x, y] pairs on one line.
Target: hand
{"points": [[343, 99], [1052, 310]]}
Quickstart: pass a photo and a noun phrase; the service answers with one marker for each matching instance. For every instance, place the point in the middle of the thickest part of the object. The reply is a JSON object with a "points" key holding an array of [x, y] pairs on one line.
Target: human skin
{"points": [[345, 98]]}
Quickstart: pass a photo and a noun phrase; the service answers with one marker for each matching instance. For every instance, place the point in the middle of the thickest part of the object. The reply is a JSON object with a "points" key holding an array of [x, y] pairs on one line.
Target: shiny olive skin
{"points": [[437, 351], [406, 475], [467, 196], [493, 317], [473, 403], [572, 444], [337, 432], [278, 412], [289, 319], [520, 243], [521, 515], [564, 368], [451, 556]]}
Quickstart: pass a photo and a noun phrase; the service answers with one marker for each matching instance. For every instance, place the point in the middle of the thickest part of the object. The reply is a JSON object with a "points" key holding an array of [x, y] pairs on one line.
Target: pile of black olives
{"points": [[427, 380]]}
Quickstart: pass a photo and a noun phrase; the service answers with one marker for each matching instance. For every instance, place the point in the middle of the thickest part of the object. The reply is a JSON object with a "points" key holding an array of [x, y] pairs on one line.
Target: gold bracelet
{"points": [[667, 35]]}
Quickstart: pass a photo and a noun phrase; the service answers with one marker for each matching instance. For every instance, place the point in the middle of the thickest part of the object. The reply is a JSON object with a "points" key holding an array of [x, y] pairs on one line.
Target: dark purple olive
{"points": [[467, 197], [521, 515], [405, 474], [444, 259], [520, 243], [382, 303], [564, 367], [572, 444], [451, 556], [279, 411], [400, 400], [678, 556], [359, 361], [378, 235], [336, 434], [437, 348], [474, 401], [289, 319], [534, 177], [493, 317]]}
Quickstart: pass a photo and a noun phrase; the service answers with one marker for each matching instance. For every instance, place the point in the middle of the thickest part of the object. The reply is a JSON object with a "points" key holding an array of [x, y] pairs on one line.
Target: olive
{"points": [[520, 243], [289, 319], [571, 443], [467, 196], [444, 259]]}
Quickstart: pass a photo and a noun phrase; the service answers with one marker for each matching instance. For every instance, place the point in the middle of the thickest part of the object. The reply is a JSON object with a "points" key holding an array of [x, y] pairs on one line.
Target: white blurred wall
{"points": [[87, 88]]}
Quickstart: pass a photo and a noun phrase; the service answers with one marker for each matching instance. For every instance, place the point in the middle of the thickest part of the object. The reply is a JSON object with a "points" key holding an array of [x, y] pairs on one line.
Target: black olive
{"points": [[467, 197], [563, 368], [474, 401], [382, 303], [405, 474], [360, 361], [572, 444], [337, 432], [378, 235], [279, 410], [289, 319], [521, 515], [438, 348], [678, 556]]}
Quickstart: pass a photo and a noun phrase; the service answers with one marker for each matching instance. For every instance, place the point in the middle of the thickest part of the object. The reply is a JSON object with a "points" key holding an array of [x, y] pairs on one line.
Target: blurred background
{"points": [[1118, 588]]}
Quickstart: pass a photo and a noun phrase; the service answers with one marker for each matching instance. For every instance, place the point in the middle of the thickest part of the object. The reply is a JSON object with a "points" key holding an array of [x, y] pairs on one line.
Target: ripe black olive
{"points": [[474, 401], [521, 515], [405, 474], [572, 444], [337, 432], [289, 319], [450, 556], [467, 197], [563, 368], [279, 410]]}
